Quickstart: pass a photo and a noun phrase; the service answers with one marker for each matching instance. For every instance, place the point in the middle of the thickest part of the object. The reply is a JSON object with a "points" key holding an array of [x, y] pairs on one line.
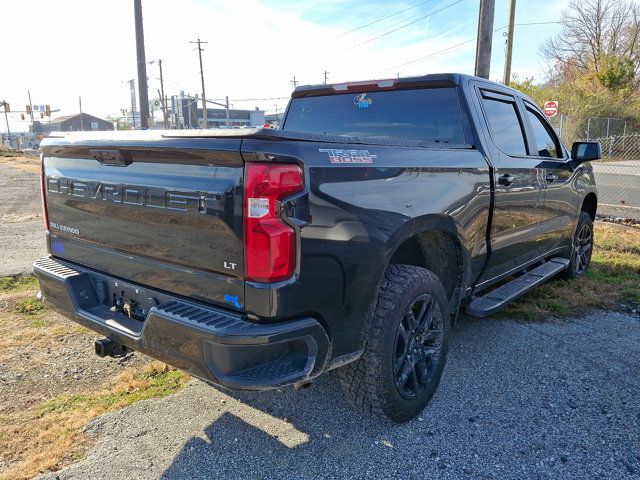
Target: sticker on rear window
{"points": [[362, 101], [348, 156]]}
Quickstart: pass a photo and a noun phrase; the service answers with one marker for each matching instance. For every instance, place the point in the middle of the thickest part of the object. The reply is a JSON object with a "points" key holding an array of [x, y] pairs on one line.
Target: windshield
{"points": [[427, 115]]}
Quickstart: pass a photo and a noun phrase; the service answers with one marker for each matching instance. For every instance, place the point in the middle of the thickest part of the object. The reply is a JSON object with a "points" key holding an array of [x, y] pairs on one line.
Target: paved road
{"points": [[21, 230], [559, 399], [618, 188]]}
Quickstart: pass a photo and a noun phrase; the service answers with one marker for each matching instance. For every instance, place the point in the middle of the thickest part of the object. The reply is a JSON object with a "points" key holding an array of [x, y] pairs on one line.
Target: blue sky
{"points": [[255, 46], [455, 21]]}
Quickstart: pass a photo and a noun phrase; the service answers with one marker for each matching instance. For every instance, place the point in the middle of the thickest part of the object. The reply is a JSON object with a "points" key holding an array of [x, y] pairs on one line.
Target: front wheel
{"points": [[582, 248], [406, 349]]}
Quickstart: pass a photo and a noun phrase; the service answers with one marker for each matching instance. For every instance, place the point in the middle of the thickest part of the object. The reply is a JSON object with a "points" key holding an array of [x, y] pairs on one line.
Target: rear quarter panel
{"points": [[358, 214]]}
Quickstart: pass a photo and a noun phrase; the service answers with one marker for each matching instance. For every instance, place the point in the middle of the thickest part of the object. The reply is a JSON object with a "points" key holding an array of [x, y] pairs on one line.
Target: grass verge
{"points": [[613, 279], [45, 437], [17, 283], [53, 386]]}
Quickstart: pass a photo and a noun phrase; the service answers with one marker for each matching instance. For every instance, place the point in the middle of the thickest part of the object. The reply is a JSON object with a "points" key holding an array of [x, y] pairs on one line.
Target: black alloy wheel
{"points": [[418, 346], [582, 248]]}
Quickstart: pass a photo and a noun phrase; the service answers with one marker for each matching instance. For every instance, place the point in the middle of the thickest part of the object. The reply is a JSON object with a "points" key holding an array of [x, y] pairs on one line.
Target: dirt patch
{"points": [[51, 383], [21, 228], [43, 354]]}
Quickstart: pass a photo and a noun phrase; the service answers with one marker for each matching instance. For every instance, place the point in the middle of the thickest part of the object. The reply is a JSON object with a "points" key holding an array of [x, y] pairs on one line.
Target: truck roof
{"points": [[430, 80]]}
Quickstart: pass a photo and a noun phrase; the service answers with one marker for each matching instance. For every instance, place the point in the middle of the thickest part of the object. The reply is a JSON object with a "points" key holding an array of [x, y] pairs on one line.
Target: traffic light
{"points": [[22, 116], [47, 110], [28, 109], [7, 108]]}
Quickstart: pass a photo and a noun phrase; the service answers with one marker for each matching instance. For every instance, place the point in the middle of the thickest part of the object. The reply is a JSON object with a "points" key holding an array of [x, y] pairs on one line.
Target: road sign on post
{"points": [[550, 108]]}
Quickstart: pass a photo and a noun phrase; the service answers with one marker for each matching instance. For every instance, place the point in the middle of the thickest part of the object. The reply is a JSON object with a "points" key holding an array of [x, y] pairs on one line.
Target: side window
{"points": [[504, 124], [546, 142]]}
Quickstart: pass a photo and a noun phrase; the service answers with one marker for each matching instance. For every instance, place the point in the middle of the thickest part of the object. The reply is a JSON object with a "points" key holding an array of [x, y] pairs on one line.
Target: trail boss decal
{"points": [[348, 156], [362, 101]]}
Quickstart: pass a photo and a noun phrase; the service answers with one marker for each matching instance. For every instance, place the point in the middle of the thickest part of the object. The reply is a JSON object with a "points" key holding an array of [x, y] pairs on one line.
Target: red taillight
{"points": [[43, 189], [270, 244]]}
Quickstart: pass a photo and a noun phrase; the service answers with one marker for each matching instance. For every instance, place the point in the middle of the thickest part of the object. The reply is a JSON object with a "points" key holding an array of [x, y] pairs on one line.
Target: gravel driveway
{"points": [[21, 229], [559, 399]]}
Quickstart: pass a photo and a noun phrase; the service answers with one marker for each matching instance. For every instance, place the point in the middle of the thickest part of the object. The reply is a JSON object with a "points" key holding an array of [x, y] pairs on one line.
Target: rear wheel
{"points": [[401, 367], [582, 248]]}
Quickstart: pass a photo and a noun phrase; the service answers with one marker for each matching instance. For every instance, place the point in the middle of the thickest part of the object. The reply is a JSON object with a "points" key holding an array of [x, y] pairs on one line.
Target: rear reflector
{"points": [[270, 244], [43, 189]]}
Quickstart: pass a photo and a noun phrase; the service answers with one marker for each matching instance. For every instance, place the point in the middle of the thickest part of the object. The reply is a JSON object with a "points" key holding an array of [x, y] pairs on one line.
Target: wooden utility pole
{"points": [[6, 119], [485, 37], [294, 82], [143, 94], [165, 117], [33, 127], [204, 98], [326, 76], [509, 51], [81, 118]]}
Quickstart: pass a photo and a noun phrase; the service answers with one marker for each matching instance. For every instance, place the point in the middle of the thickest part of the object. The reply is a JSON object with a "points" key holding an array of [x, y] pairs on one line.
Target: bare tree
{"points": [[593, 32]]}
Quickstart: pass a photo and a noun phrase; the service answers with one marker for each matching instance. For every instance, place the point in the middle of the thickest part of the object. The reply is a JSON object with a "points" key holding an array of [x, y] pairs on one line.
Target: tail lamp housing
{"points": [[43, 192], [270, 243]]}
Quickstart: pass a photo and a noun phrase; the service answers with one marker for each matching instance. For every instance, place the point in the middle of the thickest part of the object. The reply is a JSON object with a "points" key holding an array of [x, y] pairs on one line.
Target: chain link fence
{"points": [[618, 172]]}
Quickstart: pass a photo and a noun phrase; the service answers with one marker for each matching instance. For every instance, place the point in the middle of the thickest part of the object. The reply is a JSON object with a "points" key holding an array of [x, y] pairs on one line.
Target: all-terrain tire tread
{"points": [[359, 379]]}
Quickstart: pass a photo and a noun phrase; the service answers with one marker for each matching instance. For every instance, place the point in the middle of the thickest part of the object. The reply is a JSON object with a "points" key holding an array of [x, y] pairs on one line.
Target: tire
{"points": [[582, 248], [399, 371]]}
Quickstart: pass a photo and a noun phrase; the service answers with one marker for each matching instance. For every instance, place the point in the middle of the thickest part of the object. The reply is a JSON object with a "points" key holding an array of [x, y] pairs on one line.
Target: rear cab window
{"points": [[505, 125], [426, 115]]}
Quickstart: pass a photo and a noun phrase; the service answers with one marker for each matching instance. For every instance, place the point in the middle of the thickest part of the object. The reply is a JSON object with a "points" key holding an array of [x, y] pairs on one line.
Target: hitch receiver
{"points": [[108, 348]]}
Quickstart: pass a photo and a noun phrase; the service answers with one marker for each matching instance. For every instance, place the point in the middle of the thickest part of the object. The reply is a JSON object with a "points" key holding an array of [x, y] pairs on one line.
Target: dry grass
{"points": [[45, 437], [43, 414], [613, 279], [19, 162]]}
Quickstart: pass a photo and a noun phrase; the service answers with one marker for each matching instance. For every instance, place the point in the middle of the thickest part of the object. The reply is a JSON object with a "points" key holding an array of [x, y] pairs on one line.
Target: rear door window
{"points": [[504, 123], [427, 115]]}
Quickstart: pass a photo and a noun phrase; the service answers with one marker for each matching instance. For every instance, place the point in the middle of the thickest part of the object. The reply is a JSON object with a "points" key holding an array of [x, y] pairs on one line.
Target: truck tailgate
{"points": [[165, 213]]}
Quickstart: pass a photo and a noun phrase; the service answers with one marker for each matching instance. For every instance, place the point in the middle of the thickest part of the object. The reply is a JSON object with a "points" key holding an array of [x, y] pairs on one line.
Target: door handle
{"points": [[551, 177], [506, 180]]}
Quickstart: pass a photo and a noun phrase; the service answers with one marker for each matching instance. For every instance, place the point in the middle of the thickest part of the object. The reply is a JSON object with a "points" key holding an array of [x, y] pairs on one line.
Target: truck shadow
{"points": [[279, 430], [299, 434], [512, 396]]}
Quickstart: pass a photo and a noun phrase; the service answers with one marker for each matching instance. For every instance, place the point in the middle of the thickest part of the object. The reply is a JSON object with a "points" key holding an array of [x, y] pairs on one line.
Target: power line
{"points": [[403, 26], [453, 47], [430, 55], [391, 25], [381, 19], [535, 23]]}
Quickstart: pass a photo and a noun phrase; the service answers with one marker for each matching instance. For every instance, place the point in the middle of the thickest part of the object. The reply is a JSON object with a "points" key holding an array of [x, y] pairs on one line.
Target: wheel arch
{"points": [[433, 243], [590, 205]]}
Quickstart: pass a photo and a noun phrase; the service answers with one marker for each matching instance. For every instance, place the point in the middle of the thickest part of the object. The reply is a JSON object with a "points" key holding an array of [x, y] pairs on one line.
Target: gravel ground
{"points": [[559, 399], [21, 229]]}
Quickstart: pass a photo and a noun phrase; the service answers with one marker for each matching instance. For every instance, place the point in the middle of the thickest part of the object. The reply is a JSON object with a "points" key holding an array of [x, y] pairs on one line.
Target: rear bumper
{"points": [[210, 343]]}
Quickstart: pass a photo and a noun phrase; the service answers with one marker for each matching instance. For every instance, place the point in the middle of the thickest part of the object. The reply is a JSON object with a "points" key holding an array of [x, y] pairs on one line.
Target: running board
{"points": [[507, 293]]}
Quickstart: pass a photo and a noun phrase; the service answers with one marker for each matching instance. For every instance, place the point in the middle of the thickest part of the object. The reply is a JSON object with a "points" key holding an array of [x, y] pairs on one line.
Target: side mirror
{"points": [[586, 151]]}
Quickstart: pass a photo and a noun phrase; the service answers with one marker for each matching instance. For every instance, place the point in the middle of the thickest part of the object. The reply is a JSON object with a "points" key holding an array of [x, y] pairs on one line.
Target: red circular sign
{"points": [[550, 108]]}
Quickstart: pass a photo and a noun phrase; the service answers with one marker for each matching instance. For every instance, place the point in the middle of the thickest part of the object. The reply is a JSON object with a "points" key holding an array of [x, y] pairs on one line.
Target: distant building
{"points": [[72, 123], [274, 119], [190, 116]]}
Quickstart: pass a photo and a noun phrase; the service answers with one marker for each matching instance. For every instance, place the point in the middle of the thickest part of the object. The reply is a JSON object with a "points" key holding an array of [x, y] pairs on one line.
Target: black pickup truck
{"points": [[348, 239]]}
